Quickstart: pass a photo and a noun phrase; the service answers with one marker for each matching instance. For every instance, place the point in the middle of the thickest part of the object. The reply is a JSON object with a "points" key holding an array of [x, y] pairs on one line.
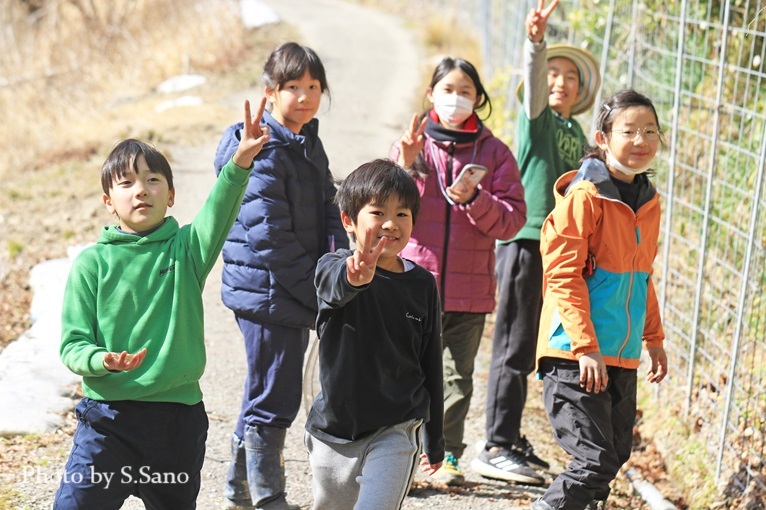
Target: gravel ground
{"points": [[373, 65]]}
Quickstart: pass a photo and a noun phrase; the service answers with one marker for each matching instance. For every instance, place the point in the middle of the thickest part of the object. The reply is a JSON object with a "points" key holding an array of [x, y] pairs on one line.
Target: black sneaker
{"points": [[533, 461], [502, 464]]}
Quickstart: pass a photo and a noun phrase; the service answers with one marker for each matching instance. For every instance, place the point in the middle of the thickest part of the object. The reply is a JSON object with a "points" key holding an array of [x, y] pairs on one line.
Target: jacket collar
{"points": [[281, 136], [594, 170]]}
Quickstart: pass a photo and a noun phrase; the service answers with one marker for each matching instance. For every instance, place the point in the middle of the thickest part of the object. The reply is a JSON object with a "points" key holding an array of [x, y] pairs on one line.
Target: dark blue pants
{"points": [[273, 385], [519, 270], [151, 450], [596, 430]]}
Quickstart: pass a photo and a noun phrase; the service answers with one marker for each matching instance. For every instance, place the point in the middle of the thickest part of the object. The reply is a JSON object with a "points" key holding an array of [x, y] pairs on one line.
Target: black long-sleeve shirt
{"points": [[380, 354]]}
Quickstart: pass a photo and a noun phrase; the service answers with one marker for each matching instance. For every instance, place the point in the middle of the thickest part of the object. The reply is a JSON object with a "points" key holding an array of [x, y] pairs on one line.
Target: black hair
{"points": [[627, 98], [376, 182], [290, 61], [125, 155], [449, 64]]}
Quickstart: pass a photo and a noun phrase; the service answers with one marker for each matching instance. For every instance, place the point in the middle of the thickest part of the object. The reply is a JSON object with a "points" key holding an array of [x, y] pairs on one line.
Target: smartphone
{"points": [[469, 176]]}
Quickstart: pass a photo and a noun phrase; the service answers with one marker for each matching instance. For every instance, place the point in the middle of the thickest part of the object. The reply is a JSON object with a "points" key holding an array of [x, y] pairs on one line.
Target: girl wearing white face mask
{"points": [[599, 304], [458, 225]]}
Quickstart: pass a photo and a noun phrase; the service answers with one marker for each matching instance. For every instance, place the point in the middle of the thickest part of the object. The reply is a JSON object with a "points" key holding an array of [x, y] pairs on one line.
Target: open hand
{"points": [[360, 267], [659, 368], [254, 136], [593, 374], [119, 361], [537, 20], [427, 467], [412, 142]]}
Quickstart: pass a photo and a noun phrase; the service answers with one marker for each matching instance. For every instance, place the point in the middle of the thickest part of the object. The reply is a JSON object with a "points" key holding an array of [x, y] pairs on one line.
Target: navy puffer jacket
{"points": [[287, 221]]}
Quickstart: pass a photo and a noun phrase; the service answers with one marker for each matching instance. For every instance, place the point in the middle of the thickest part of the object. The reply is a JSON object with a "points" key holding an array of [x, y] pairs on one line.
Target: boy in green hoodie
{"points": [[132, 327]]}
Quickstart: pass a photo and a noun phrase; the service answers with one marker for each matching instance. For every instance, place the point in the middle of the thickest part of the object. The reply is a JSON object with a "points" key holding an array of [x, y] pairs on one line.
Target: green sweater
{"points": [[549, 145], [129, 292]]}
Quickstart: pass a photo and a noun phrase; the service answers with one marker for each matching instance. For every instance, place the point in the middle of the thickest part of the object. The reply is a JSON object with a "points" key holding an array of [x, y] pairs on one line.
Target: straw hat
{"points": [[587, 66]]}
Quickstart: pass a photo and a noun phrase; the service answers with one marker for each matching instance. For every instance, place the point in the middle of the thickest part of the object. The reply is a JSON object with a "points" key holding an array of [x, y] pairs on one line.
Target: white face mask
{"points": [[612, 162], [452, 109]]}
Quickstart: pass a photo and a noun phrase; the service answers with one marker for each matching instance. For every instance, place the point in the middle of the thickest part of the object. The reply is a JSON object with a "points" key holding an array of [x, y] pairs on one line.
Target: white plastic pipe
{"points": [[649, 492]]}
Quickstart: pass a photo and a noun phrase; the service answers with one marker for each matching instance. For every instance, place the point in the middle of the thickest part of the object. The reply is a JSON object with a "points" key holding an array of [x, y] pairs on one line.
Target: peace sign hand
{"points": [[254, 136], [412, 142], [360, 267], [537, 20]]}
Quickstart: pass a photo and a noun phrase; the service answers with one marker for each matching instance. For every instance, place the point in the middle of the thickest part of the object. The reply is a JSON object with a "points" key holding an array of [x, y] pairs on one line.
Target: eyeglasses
{"points": [[650, 135]]}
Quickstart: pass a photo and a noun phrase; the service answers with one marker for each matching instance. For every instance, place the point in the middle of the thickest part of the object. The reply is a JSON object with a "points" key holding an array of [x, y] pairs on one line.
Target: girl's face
{"points": [[457, 83], [632, 141], [295, 102], [139, 198]]}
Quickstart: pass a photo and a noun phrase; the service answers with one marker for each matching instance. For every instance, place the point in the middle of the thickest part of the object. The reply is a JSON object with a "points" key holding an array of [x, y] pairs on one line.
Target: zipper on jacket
{"points": [[630, 285], [448, 180]]}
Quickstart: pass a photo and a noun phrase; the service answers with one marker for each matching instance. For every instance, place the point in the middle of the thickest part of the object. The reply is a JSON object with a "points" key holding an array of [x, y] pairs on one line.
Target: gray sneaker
{"points": [[502, 464]]}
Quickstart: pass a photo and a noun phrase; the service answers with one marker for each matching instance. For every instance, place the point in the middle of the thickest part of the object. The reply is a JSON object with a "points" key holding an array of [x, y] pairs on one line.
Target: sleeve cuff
{"points": [[96, 364], [235, 174]]}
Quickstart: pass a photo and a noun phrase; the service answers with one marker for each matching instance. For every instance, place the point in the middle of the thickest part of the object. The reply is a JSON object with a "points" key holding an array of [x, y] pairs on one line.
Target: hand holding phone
{"points": [[469, 178]]}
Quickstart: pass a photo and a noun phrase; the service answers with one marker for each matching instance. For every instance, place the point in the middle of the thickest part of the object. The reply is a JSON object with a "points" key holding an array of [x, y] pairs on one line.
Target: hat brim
{"points": [[587, 66]]}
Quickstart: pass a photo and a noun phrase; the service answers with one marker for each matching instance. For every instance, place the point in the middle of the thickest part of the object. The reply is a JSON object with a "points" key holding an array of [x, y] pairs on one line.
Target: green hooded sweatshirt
{"points": [[128, 292]]}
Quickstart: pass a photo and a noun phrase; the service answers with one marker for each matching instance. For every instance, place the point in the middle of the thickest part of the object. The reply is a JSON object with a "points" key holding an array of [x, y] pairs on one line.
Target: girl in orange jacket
{"points": [[599, 304]]}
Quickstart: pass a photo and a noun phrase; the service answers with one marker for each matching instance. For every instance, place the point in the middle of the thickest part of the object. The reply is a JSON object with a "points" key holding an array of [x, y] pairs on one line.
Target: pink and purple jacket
{"points": [[457, 242]]}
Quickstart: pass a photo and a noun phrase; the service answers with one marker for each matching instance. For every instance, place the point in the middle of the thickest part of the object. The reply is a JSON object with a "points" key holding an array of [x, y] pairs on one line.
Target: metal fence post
{"points": [[604, 57]]}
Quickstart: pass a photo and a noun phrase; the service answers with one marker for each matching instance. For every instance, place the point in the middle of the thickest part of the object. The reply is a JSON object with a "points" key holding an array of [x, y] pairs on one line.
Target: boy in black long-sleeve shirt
{"points": [[380, 353]]}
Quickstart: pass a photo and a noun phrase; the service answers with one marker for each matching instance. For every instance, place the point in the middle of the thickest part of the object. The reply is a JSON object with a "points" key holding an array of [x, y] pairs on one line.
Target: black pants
{"points": [[596, 430], [519, 270]]}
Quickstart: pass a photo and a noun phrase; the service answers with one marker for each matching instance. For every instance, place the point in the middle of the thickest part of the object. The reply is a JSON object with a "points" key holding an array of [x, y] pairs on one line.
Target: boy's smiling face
{"points": [[140, 198], [563, 85], [390, 219]]}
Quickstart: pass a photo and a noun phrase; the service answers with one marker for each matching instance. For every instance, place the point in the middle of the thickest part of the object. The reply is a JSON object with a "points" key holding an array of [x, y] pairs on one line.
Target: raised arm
{"points": [[537, 20], [210, 227], [536, 89]]}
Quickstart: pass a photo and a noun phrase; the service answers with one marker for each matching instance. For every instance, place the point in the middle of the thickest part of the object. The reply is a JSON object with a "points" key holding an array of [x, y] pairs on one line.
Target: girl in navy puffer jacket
{"points": [[286, 222]]}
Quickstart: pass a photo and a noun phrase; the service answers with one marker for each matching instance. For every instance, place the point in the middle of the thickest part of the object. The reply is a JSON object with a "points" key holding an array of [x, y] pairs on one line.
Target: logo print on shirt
{"points": [[410, 316], [570, 147], [167, 270]]}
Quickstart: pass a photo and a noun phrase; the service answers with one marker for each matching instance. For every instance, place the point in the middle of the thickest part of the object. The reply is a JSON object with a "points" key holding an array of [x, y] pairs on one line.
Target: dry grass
{"points": [[74, 79], [64, 63]]}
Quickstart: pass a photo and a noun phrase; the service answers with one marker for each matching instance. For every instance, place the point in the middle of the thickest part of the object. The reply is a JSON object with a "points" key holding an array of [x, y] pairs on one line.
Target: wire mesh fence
{"points": [[702, 63]]}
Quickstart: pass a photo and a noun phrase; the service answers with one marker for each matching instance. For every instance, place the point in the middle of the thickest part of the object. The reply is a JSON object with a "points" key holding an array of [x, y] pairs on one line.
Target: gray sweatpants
{"points": [[372, 473]]}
